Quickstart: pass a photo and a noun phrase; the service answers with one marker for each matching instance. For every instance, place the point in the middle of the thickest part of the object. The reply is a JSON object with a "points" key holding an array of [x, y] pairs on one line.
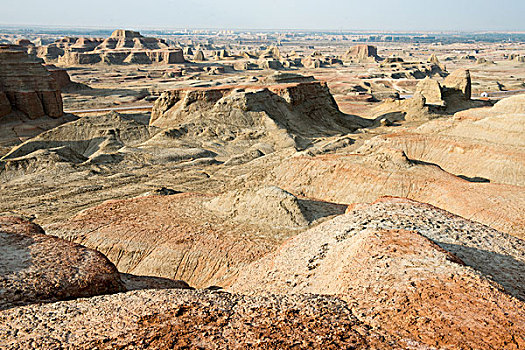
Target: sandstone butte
{"points": [[362, 54], [122, 47], [26, 86], [300, 108]]}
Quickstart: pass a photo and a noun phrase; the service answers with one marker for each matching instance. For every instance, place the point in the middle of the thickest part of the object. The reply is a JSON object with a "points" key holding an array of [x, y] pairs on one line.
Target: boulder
{"points": [[35, 267]]}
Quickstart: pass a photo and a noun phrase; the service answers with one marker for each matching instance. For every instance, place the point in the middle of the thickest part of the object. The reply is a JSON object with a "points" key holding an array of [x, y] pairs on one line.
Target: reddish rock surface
{"points": [[388, 172], [180, 236], [469, 157], [167, 236], [28, 86], [35, 267], [171, 319], [398, 280]]}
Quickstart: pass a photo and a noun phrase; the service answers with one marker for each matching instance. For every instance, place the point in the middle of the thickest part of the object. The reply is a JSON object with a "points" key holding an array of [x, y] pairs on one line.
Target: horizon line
{"points": [[393, 31]]}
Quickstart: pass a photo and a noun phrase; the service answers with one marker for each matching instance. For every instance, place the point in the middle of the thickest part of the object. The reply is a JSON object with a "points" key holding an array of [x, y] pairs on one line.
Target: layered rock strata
{"points": [[27, 85]]}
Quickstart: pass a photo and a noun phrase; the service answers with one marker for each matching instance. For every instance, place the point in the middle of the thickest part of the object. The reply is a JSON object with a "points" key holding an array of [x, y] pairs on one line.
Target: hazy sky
{"points": [[448, 15]]}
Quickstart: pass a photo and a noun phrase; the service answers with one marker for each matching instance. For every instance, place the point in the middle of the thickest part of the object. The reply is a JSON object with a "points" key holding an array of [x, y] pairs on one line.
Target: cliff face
{"points": [[27, 85], [362, 54], [122, 47], [299, 109]]}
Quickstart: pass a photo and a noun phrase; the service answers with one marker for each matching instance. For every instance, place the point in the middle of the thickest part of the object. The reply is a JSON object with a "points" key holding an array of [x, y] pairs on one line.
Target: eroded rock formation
{"points": [[122, 47], [432, 99], [35, 267], [362, 54], [27, 85], [399, 280], [372, 173], [190, 236], [186, 319], [278, 114]]}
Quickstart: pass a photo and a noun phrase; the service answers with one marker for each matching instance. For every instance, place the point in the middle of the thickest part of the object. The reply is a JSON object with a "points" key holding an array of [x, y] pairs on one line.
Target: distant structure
{"points": [[362, 54], [122, 47]]}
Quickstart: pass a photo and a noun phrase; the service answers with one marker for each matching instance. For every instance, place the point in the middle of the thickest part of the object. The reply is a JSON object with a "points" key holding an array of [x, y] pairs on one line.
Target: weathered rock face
{"points": [[458, 84], [27, 85], [362, 54], [431, 90], [35, 267], [188, 319], [377, 172], [60, 75], [278, 114], [450, 97], [122, 47], [181, 237], [164, 56], [509, 105], [382, 260], [395, 69]]}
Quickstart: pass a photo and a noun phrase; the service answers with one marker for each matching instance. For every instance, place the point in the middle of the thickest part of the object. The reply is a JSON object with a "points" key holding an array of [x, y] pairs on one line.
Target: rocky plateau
{"points": [[267, 191]]}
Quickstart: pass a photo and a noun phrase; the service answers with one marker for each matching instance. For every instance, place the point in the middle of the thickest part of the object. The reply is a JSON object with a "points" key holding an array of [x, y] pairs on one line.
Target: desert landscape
{"points": [[262, 189]]}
